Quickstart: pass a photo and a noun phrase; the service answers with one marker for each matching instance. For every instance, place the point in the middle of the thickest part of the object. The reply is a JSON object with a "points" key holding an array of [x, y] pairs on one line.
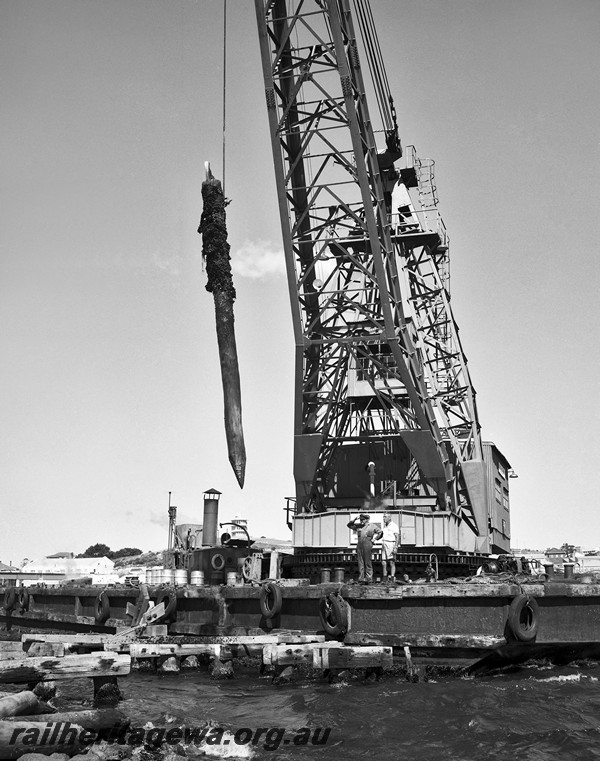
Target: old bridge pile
{"points": [[29, 723]]}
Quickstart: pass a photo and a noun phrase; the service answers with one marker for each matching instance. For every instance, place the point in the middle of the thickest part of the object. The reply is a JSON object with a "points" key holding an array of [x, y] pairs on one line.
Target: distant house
{"points": [[536, 557], [61, 555], [555, 555], [266, 543]]}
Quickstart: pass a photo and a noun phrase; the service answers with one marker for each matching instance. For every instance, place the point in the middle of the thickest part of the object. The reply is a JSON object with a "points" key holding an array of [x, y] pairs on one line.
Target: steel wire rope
{"points": [[379, 88], [224, 83], [368, 36], [382, 69]]}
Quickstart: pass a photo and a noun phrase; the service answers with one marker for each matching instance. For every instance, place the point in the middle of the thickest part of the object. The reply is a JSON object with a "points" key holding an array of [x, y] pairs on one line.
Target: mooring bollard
{"points": [[338, 575], [568, 569], [549, 570], [325, 575]]}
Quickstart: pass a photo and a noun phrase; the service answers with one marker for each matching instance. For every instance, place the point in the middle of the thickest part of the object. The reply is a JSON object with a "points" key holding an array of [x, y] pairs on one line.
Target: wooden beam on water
{"points": [[71, 639], [479, 641], [328, 655], [289, 655], [352, 657], [218, 634], [39, 669], [151, 650], [279, 637], [10, 647], [56, 649]]}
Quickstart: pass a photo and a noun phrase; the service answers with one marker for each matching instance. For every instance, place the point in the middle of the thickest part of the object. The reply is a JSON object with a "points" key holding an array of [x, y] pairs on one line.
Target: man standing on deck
{"points": [[367, 533], [389, 545]]}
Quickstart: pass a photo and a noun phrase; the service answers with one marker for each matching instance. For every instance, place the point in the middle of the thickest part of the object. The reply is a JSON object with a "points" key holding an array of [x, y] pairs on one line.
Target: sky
{"points": [[110, 392]]}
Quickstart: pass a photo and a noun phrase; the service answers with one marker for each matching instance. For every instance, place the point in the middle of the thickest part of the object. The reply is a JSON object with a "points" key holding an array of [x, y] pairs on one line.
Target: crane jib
{"points": [[381, 375]]}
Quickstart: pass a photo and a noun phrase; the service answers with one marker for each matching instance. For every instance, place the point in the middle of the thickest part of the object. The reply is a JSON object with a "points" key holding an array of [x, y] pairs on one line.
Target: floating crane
{"points": [[385, 411]]}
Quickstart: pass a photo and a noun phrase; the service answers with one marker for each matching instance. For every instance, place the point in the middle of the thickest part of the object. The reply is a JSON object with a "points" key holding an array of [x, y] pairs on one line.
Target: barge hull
{"points": [[443, 622]]}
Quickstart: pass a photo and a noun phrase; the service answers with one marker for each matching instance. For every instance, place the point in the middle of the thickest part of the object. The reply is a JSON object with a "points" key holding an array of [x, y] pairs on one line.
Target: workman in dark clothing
{"points": [[367, 533]]}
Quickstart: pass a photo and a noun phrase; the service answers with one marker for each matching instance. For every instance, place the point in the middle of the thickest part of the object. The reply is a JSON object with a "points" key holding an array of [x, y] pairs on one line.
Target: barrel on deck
{"points": [[197, 578], [181, 577]]}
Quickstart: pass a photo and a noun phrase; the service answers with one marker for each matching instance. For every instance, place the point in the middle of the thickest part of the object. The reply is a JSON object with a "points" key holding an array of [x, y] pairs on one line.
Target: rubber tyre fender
{"points": [[270, 600], [102, 608], [334, 615], [523, 618], [170, 600], [24, 600], [10, 599], [217, 562]]}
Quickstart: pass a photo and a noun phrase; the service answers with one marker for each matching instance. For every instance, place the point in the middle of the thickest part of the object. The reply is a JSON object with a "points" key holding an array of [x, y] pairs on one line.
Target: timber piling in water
{"points": [[215, 251]]}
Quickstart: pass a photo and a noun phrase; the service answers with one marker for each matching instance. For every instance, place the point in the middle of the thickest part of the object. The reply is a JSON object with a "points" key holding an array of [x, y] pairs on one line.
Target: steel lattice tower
{"points": [[378, 358]]}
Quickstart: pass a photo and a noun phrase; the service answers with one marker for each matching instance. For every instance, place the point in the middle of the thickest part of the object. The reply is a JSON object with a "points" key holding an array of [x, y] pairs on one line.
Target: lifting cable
{"points": [[224, 82], [375, 62], [371, 57]]}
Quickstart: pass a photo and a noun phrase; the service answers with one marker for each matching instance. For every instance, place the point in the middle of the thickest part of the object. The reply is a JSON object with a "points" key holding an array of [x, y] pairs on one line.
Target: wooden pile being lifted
{"points": [[215, 251]]}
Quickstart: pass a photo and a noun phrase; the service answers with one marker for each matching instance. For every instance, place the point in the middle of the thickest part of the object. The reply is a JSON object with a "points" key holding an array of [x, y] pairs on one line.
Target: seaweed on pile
{"points": [[215, 252]]}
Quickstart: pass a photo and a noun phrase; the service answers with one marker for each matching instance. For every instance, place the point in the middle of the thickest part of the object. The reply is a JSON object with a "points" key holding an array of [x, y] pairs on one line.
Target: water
{"points": [[534, 713]]}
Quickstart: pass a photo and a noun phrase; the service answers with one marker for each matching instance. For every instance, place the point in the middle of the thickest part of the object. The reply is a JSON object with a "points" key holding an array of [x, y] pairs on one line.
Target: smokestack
{"points": [[210, 521], [172, 521]]}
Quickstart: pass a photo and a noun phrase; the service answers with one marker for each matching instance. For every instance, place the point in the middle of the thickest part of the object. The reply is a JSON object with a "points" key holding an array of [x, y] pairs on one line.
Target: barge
{"points": [[443, 623]]}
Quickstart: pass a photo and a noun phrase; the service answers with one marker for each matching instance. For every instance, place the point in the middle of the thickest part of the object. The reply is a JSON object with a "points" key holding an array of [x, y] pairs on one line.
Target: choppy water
{"points": [[535, 713]]}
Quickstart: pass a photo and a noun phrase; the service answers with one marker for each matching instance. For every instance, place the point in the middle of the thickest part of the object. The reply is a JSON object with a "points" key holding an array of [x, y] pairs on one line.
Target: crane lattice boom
{"points": [[380, 375]]}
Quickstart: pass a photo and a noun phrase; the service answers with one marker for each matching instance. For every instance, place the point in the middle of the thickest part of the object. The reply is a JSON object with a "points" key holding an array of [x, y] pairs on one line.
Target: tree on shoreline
{"points": [[100, 550]]}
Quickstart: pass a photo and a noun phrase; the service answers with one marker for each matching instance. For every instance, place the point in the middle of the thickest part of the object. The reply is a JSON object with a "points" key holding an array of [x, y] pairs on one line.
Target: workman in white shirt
{"points": [[389, 545]]}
